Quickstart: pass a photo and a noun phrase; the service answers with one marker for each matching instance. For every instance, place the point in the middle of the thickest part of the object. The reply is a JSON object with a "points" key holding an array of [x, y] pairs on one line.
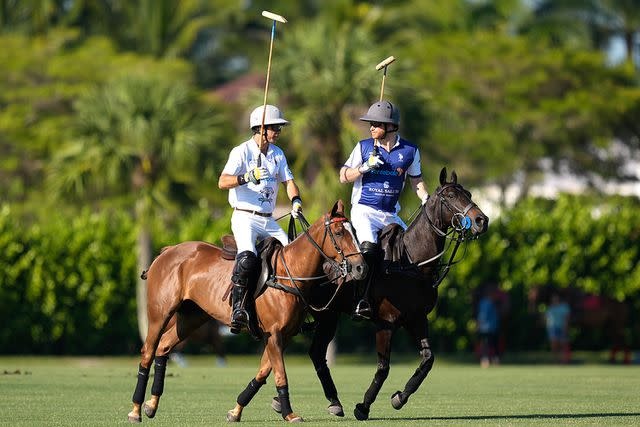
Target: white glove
{"points": [[296, 207], [424, 198], [373, 162], [256, 174]]}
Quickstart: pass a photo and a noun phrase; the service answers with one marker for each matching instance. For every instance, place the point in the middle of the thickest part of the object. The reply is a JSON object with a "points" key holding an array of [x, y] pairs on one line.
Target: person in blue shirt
{"points": [[557, 321], [488, 326], [378, 167]]}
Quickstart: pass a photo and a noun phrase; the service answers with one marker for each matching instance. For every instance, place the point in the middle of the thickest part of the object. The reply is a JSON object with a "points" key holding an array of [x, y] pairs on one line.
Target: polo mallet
{"points": [[384, 64], [274, 17]]}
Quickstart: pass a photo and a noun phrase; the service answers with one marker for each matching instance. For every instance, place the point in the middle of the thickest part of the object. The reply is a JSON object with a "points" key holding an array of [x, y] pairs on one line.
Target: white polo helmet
{"points": [[273, 116]]}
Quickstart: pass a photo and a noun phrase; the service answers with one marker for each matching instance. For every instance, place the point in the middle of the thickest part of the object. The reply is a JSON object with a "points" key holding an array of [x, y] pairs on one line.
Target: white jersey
{"points": [[257, 197]]}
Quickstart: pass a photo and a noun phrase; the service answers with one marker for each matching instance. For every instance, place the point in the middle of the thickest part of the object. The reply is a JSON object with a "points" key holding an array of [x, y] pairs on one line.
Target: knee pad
{"points": [[369, 247], [245, 268], [370, 252]]}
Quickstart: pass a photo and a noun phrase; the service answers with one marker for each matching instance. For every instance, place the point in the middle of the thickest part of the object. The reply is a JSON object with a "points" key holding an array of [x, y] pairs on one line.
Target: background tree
{"points": [[595, 23], [141, 142], [324, 92]]}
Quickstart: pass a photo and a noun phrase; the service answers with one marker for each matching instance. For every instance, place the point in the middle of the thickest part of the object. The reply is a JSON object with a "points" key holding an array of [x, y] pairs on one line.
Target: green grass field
{"points": [[97, 392]]}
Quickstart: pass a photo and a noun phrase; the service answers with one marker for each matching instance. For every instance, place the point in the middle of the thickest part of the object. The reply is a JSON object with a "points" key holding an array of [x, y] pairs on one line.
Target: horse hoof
{"points": [[293, 418], [134, 418], [148, 410], [336, 410], [233, 418], [275, 405], [396, 400], [361, 412]]}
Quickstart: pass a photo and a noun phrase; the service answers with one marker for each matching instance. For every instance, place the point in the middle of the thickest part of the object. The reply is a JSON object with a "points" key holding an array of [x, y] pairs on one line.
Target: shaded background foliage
{"points": [[68, 287], [113, 132]]}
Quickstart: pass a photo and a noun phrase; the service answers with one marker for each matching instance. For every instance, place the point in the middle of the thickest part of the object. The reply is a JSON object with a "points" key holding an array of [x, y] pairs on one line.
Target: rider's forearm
{"points": [[226, 182], [349, 174]]}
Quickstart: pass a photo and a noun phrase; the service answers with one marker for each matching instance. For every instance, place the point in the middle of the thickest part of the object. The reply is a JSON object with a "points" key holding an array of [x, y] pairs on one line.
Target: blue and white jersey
{"points": [[257, 197], [380, 188]]}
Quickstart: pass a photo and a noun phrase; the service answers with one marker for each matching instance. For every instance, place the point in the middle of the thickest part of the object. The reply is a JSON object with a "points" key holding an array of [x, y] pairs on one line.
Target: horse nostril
{"points": [[361, 269], [482, 222]]}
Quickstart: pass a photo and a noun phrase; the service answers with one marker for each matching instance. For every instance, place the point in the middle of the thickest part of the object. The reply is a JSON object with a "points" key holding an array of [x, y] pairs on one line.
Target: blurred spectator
{"points": [[557, 321], [488, 327]]}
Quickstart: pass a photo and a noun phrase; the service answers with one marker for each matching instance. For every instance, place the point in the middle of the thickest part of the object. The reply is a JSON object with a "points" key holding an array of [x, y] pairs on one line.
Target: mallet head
{"points": [[273, 16], [386, 62]]}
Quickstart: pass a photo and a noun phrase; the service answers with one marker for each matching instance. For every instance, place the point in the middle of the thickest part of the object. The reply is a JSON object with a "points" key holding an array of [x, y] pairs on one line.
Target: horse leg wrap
{"points": [[159, 369], [329, 387], [421, 373], [378, 379], [141, 386], [250, 390], [285, 404]]}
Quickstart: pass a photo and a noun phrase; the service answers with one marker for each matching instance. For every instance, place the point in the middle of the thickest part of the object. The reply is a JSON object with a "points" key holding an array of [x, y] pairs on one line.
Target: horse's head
{"points": [[339, 243], [452, 207]]}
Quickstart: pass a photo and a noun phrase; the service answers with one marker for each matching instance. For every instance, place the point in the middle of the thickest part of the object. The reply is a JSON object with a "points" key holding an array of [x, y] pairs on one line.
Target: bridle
{"points": [[338, 269], [460, 222], [460, 225]]}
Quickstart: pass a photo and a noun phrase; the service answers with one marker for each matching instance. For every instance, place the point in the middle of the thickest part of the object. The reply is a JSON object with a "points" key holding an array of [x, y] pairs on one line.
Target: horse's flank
{"points": [[190, 271]]}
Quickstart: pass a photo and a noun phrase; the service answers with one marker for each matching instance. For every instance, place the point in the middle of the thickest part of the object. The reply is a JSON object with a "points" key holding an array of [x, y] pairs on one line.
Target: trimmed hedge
{"points": [[67, 285]]}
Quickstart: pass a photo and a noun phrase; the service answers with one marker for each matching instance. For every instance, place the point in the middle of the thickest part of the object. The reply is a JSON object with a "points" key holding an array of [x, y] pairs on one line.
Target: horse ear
{"points": [[443, 176], [454, 177], [338, 208]]}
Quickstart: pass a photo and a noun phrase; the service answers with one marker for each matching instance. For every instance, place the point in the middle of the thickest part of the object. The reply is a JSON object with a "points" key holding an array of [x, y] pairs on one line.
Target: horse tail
{"points": [[143, 275]]}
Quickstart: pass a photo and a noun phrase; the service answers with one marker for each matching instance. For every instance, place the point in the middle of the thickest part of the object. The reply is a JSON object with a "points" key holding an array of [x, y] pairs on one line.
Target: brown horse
{"points": [[188, 283], [405, 291], [589, 311]]}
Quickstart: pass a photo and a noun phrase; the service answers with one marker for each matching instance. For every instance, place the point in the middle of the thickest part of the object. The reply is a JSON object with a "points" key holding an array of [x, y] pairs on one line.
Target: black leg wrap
{"points": [[141, 386], [159, 370], [378, 379], [250, 390], [421, 373], [329, 387], [285, 404]]}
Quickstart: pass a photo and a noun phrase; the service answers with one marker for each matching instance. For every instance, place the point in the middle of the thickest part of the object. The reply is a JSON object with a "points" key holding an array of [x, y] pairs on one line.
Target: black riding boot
{"points": [[243, 278], [361, 288]]}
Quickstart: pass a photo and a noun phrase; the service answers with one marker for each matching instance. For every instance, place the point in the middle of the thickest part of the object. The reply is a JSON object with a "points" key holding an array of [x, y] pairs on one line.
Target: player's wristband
{"points": [[296, 198], [241, 180]]}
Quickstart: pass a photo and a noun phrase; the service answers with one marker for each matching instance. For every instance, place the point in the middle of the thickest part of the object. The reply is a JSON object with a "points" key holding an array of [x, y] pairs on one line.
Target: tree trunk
{"points": [[144, 260]]}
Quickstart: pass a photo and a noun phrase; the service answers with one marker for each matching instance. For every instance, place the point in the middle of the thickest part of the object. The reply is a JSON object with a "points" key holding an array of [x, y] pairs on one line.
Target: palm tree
{"points": [[137, 141], [324, 89]]}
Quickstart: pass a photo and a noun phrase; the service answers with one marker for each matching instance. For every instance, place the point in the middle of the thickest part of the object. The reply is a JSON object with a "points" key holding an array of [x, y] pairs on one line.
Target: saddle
{"points": [[266, 249], [395, 257]]}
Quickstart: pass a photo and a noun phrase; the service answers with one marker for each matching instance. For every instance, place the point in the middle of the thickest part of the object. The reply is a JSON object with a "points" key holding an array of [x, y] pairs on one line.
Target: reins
{"points": [[342, 266]]}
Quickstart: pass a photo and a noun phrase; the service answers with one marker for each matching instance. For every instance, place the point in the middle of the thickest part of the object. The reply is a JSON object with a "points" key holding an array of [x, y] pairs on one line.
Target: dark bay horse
{"points": [[589, 311], [187, 285], [404, 294]]}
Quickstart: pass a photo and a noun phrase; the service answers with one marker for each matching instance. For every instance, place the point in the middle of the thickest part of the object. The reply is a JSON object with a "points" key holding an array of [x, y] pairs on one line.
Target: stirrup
{"points": [[363, 310], [239, 320]]}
